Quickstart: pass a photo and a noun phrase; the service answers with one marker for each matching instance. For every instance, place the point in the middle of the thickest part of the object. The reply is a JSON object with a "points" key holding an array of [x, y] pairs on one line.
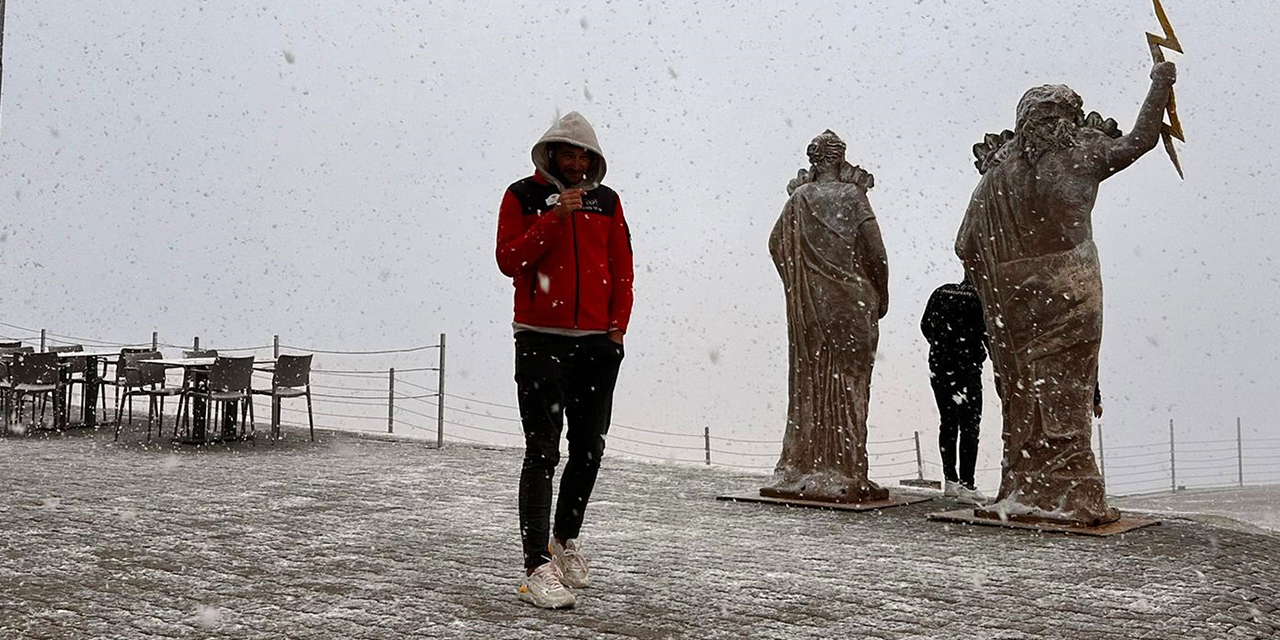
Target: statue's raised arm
{"points": [[1123, 151]]}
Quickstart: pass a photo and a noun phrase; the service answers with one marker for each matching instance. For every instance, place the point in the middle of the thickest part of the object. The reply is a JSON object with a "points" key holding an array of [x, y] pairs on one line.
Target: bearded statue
{"points": [[1027, 245], [826, 246]]}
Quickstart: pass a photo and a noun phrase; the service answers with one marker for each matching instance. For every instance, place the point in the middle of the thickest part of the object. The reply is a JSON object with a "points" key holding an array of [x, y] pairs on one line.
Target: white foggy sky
{"points": [[163, 166]]}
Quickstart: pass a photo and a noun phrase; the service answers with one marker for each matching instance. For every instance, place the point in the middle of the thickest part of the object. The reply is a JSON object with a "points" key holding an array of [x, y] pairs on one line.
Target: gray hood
{"points": [[574, 129]]}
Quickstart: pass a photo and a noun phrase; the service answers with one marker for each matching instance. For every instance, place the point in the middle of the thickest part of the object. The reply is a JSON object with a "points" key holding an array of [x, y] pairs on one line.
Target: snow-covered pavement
{"points": [[1256, 506], [355, 538]]}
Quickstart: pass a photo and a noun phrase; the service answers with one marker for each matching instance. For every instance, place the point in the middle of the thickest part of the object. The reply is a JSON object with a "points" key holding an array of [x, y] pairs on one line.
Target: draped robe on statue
{"points": [[826, 246], [1041, 291]]}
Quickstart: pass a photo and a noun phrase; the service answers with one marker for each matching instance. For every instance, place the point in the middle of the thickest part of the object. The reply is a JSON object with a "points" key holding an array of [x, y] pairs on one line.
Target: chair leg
{"points": [[119, 423], [151, 405], [311, 422], [160, 420], [275, 418], [183, 407], [253, 428]]}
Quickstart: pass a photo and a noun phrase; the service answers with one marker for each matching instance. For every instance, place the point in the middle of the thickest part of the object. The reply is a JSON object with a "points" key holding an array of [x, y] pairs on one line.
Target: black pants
{"points": [[958, 392], [558, 376]]}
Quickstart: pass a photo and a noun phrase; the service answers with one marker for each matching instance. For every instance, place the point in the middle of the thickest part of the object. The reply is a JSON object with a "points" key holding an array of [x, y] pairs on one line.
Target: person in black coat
{"points": [[954, 326]]}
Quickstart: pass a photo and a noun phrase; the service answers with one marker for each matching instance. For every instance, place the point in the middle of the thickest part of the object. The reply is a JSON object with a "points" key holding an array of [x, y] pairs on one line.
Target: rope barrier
{"points": [[475, 428], [1135, 474], [1138, 446], [321, 397], [423, 415], [480, 415], [362, 353], [1201, 476], [492, 404], [652, 431], [49, 336], [891, 453], [1190, 463], [333, 415], [746, 455], [649, 457], [382, 390], [418, 386], [871, 442], [1164, 462], [366, 372], [746, 441], [650, 444], [1130, 456]]}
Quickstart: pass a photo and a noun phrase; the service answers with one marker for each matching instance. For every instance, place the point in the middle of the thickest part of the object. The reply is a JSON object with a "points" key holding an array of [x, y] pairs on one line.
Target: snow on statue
{"points": [[827, 248], [1027, 243]]}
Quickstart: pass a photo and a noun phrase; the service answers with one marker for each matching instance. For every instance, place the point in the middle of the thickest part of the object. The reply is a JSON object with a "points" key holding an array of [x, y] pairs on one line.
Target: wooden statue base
{"points": [[983, 517], [894, 500]]}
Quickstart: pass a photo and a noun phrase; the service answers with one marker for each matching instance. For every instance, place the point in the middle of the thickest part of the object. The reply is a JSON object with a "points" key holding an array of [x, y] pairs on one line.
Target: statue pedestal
{"points": [[988, 518], [894, 500]]}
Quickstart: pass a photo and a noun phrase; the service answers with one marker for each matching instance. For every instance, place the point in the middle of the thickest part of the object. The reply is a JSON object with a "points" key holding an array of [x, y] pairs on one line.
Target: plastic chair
{"points": [[291, 378], [32, 374], [150, 381], [230, 380], [120, 379]]}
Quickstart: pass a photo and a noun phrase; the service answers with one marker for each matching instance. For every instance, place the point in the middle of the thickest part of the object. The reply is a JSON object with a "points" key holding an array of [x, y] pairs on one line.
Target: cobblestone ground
{"points": [[355, 538]]}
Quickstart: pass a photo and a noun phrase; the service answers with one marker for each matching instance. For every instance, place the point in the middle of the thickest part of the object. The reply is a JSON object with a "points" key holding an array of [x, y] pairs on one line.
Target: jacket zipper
{"points": [[577, 271]]}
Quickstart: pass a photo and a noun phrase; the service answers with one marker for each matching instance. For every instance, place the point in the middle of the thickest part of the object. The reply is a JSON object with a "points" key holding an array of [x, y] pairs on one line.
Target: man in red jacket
{"points": [[563, 241]]}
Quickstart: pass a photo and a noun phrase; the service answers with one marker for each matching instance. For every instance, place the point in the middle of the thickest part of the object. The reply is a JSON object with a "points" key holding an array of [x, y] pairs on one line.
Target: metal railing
{"points": [[352, 394]]}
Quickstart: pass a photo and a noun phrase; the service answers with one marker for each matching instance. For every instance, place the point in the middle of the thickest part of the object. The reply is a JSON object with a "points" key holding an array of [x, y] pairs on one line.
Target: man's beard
{"points": [[1036, 140]]}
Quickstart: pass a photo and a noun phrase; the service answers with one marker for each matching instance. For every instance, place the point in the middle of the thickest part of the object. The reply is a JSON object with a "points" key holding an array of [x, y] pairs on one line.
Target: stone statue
{"points": [[827, 248], [1027, 244]]}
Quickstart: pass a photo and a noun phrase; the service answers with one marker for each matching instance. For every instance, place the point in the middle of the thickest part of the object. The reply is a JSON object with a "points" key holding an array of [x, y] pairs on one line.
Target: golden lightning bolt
{"points": [[1173, 129]]}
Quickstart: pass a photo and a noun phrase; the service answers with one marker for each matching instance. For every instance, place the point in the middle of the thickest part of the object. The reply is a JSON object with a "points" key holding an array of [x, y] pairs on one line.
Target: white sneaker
{"points": [[570, 562], [950, 489], [543, 588], [970, 496]]}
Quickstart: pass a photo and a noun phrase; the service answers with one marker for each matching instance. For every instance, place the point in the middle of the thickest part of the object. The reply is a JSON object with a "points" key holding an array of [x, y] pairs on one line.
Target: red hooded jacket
{"points": [[570, 273]]}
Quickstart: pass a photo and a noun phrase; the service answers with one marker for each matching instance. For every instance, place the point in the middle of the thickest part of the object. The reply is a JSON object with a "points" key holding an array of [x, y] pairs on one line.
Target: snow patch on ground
{"points": [[1258, 506]]}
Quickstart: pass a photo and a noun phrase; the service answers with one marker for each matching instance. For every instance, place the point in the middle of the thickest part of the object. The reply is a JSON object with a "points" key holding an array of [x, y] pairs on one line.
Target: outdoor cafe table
{"points": [[89, 399], [199, 367]]}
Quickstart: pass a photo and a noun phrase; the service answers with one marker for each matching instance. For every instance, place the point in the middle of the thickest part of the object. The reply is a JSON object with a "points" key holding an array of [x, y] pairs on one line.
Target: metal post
{"points": [[706, 441], [42, 341], [275, 347], [1173, 471], [919, 458], [391, 399], [1102, 455], [1239, 452], [440, 399], [155, 340], [1, 40]]}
